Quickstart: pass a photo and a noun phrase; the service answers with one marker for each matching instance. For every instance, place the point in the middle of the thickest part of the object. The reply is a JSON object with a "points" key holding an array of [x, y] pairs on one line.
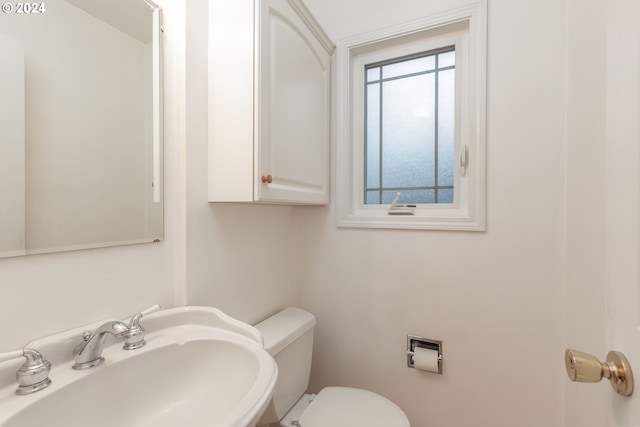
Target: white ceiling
{"points": [[132, 17]]}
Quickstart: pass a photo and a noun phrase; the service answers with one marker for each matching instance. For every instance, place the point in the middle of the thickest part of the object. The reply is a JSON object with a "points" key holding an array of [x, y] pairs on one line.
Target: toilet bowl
{"points": [[288, 337]]}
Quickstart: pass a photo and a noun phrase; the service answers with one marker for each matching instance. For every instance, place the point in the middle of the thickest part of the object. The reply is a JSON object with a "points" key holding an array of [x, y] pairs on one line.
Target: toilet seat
{"points": [[352, 407]]}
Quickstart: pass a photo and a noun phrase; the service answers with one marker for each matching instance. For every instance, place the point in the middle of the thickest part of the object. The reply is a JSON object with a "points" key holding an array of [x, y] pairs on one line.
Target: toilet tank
{"points": [[288, 337]]}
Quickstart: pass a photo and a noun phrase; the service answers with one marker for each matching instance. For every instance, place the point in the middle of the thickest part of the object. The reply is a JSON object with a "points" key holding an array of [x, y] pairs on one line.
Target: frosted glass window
{"points": [[410, 129], [418, 196], [446, 126], [373, 136], [408, 132], [373, 74], [410, 66], [447, 59]]}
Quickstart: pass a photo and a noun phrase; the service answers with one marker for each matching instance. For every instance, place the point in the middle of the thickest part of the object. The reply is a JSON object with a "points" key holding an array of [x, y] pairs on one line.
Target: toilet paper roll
{"points": [[425, 359]]}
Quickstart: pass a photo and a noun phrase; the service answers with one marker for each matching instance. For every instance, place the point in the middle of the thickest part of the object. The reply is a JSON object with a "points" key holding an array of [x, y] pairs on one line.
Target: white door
{"points": [[603, 203]]}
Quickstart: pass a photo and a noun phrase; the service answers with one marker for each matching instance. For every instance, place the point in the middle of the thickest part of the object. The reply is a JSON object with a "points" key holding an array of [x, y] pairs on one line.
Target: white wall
{"points": [[240, 258], [12, 149], [43, 294], [494, 298]]}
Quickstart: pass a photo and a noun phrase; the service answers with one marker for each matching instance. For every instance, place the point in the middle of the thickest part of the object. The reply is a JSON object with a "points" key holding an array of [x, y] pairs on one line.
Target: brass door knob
{"points": [[583, 367], [267, 179]]}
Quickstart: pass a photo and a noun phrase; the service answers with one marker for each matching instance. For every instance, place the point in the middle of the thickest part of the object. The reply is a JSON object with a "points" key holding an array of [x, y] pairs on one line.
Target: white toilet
{"points": [[288, 337]]}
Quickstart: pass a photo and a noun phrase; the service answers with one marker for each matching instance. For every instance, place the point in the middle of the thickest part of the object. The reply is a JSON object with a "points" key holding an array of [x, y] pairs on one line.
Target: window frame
{"points": [[465, 28]]}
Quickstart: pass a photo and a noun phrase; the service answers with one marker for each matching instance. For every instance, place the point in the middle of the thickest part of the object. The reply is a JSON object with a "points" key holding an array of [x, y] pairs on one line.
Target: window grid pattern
{"points": [[436, 185]]}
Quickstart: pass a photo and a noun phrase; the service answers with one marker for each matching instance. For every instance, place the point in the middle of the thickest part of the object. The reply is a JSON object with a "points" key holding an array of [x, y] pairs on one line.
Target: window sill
{"points": [[425, 219]]}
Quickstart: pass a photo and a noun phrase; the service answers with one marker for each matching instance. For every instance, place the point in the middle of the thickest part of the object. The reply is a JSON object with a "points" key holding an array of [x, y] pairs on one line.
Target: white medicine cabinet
{"points": [[269, 103]]}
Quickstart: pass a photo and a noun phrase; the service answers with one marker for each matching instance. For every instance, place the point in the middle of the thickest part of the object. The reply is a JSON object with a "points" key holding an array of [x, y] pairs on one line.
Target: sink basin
{"points": [[199, 368]]}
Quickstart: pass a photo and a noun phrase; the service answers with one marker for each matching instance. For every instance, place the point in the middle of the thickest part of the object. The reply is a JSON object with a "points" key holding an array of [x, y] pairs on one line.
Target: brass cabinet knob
{"points": [[583, 367], [267, 179]]}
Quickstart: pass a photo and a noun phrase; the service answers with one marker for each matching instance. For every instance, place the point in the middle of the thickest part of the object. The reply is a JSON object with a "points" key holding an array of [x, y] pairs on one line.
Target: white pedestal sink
{"points": [[199, 368]]}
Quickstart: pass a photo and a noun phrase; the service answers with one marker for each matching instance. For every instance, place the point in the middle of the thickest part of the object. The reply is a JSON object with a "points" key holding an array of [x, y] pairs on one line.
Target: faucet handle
{"points": [[134, 339], [34, 374], [135, 321]]}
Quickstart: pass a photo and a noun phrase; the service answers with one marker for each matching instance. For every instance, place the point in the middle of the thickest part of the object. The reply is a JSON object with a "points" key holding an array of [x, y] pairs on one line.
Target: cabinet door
{"points": [[292, 108]]}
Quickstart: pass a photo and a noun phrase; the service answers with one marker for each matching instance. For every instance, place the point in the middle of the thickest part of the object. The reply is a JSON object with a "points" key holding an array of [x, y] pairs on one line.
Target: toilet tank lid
{"points": [[284, 327]]}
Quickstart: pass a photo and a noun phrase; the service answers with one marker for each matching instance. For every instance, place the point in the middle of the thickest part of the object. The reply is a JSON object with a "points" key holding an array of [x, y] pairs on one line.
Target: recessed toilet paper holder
{"points": [[415, 341]]}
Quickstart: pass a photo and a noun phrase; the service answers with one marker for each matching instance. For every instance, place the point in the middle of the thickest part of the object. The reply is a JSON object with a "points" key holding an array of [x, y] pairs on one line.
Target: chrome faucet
{"points": [[88, 353]]}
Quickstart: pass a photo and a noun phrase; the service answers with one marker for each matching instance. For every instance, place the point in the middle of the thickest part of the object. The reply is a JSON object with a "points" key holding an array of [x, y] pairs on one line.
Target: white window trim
{"points": [[468, 211]]}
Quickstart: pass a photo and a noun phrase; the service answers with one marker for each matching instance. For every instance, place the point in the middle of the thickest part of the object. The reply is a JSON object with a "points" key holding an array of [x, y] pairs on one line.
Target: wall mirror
{"points": [[80, 125]]}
